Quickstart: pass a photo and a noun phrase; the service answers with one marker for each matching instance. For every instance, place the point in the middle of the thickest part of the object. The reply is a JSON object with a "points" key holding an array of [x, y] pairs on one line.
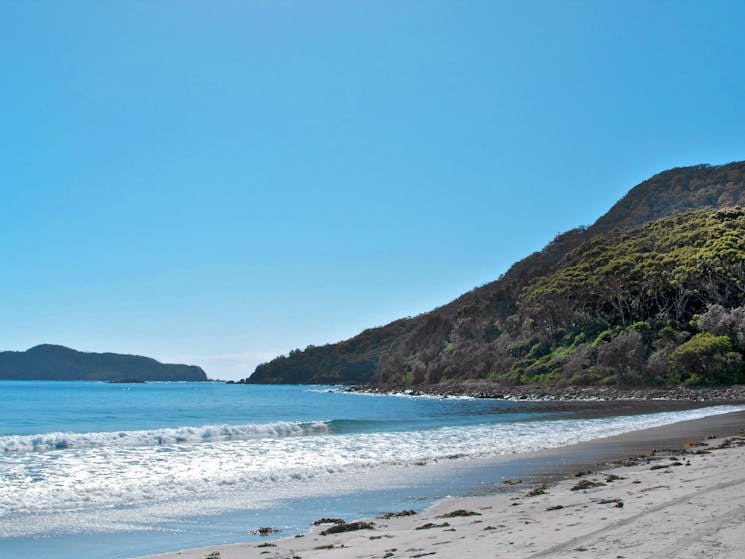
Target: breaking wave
{"points": [[160, 437]]}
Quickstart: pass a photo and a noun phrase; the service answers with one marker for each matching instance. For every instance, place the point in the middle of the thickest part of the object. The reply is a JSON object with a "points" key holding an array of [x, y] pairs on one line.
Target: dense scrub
{"points": [[660, 304], [657, 300]]}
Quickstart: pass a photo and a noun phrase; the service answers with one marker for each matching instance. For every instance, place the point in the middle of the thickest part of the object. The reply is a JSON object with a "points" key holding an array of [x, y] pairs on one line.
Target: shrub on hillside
{"points": [[706, 359]]}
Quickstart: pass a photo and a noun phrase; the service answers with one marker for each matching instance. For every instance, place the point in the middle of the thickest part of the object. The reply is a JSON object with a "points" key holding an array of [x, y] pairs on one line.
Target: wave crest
{"points": [[160, 437]]}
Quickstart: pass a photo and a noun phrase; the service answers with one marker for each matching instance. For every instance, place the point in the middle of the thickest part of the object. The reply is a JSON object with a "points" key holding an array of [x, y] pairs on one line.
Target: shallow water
{"points": [[107, 470]]}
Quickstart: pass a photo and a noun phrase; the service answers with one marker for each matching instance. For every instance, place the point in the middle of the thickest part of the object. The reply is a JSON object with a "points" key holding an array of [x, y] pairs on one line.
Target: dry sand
{"points": [[685, 502]]}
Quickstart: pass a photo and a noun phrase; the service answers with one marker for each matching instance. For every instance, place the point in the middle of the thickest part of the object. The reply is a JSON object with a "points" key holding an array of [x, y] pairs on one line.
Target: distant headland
{"points": [[55, 362]]}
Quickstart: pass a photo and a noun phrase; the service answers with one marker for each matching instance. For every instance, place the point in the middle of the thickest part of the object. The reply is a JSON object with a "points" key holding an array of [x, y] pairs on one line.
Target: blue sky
{"points": [[221, 182]]}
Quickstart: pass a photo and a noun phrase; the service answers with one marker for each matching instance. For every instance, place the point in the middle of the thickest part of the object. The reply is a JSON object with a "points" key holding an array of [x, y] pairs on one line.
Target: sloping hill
{"points": [[54, 362], [677, 190], [492, 330]]}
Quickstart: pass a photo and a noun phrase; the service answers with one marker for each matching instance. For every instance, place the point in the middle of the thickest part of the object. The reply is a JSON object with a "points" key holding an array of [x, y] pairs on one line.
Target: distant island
{"points": [[55, 362], [653, 293]]}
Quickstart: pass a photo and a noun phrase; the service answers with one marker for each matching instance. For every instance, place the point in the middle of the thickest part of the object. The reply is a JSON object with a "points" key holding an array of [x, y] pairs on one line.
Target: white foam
{"points": [[181, 477], [158, 437], [407, 394]]}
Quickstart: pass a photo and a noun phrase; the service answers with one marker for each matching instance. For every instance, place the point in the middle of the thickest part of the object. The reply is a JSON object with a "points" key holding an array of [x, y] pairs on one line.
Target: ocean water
{"points": [[110, 470]]}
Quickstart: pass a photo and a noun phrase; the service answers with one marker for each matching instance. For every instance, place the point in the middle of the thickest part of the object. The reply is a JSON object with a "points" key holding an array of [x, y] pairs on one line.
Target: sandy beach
{"points": [[674, 491]]}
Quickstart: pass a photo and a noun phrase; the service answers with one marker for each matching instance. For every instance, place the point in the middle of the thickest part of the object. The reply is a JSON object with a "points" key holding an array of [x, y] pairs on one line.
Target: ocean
{"points": [[101, 471]]}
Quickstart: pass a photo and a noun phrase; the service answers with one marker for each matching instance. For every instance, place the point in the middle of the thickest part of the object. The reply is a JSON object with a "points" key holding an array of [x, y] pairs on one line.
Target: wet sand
{"points": [[643, 494]]}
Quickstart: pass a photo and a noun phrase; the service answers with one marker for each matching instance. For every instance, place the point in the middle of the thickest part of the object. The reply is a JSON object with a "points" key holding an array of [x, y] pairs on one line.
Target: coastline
{"points": [[669, 492], [490, 390]]}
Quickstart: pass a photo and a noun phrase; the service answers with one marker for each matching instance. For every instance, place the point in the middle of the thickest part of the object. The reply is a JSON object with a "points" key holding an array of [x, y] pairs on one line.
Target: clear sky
{"points": [[220, 182]]}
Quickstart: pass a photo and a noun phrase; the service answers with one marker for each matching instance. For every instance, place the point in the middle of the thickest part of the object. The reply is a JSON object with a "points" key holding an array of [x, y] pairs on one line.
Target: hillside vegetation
{"points": [[54, 362], [652, 293]]}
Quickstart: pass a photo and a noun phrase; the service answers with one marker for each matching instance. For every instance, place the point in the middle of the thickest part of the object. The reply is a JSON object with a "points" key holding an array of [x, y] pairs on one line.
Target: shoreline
{"points": [[489, 390], [523, 526]]}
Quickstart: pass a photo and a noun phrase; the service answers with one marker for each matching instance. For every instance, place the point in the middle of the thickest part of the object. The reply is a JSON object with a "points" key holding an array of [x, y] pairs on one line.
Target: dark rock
{"points": [[264, 531], [351, 527], [586, 484], [459, 513], [540, 490], [430, 525], [328, 521], [389, 515]]}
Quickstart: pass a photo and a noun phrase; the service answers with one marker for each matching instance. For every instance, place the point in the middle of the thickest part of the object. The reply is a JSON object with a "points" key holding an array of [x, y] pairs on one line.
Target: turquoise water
{"points": [[110, 470], [43, 407]]}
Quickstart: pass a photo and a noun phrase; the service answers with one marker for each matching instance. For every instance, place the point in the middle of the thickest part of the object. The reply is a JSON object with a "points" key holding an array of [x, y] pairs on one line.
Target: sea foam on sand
{"points": [[686, 502]]}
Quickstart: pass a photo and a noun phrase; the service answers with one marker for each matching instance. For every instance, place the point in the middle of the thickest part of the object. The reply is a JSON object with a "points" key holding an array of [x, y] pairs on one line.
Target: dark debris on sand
{"points": [[430, 525], [586, 484], [328, 521], [389, 515], [351, 527], [459, 513]]}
